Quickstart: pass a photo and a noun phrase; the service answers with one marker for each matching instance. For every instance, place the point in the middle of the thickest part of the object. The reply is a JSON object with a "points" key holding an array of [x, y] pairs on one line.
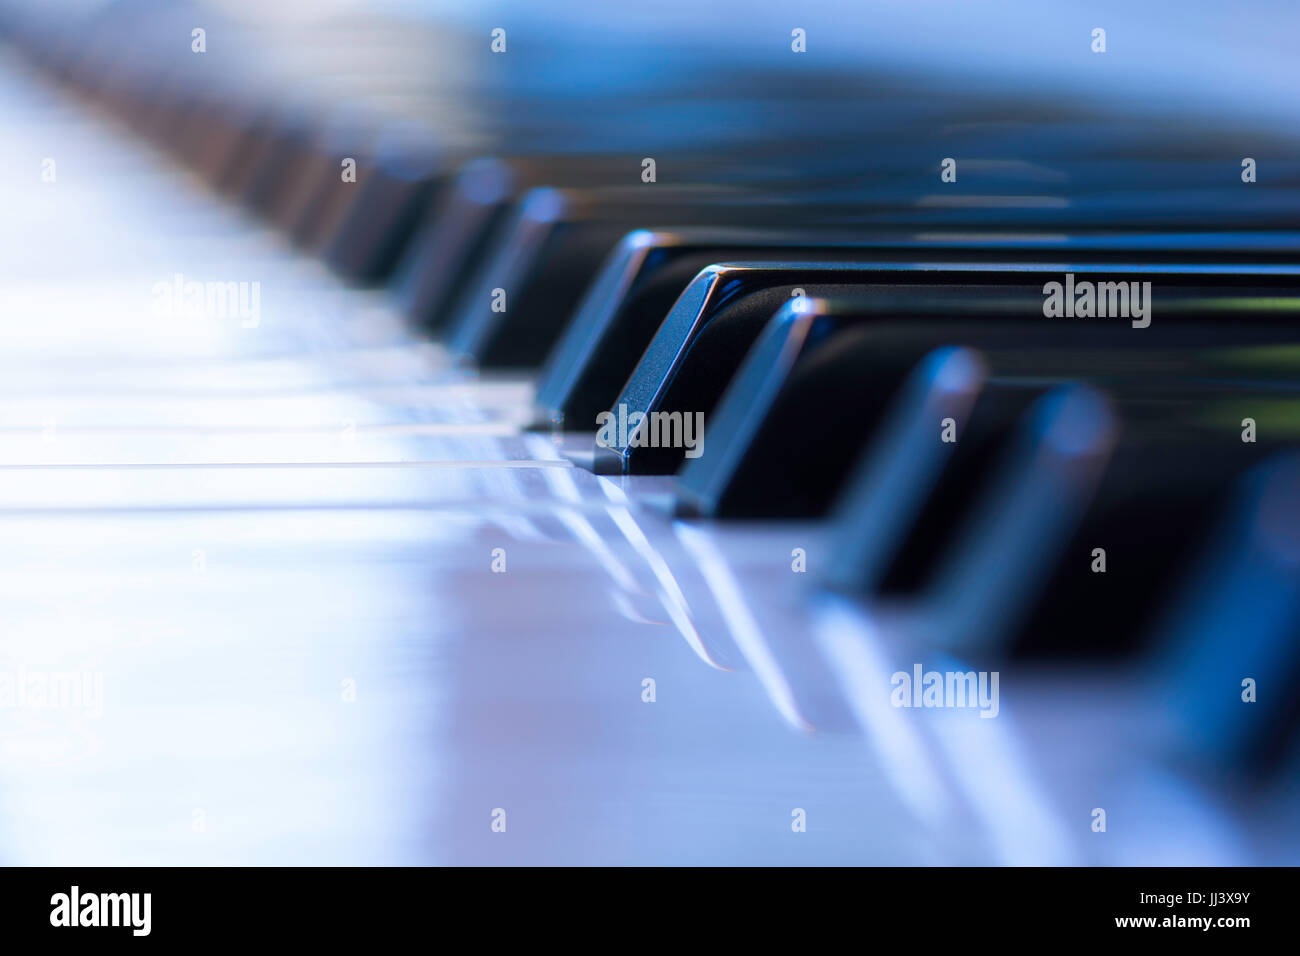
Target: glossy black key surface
{"points": [[625, 304], [483, 202], [1169, 482], [635, 288], [452, 240], [704, 338], [393, 188], [910, 507], [811, 393], [511, 311], [1234, 618], [570, 233]]}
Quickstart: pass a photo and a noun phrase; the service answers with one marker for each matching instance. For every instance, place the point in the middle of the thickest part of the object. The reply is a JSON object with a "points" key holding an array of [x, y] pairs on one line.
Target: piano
{"points": [[686, 435]]}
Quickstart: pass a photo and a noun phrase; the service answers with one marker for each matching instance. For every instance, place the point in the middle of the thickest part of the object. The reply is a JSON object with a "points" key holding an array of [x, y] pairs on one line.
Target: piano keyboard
{"points": [[415, 457]]}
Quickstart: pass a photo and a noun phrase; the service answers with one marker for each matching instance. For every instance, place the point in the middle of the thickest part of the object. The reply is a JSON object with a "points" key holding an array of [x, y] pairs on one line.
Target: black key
{"points": [[256, 134], [482, 195], [455, 236], [1019, 495], [280, 162], [1177, 454], [810, 395], [555, 241], [626, 303], [1234, 624], [313, 205], [704, 338], [512, 310], [393, 188]]}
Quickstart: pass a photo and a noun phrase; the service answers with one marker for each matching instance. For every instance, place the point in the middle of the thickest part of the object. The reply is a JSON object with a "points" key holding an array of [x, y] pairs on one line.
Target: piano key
{"points": [[1155, 505], [577, 232], [1038, 493], [81, 350], [515, 305], [813, 388], [452, 240], [254, 154], [1150, 510], [1225, 652], [719, 301], [897, 473], [811, 394], [310, 211], [219, 129], [280, 160], [699, 346], [391, 193], [459, 231], [637, 285], [634, 290]]}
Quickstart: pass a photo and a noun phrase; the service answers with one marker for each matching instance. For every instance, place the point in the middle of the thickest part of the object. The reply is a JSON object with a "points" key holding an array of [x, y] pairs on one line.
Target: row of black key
{"points": [[975, 453]]}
